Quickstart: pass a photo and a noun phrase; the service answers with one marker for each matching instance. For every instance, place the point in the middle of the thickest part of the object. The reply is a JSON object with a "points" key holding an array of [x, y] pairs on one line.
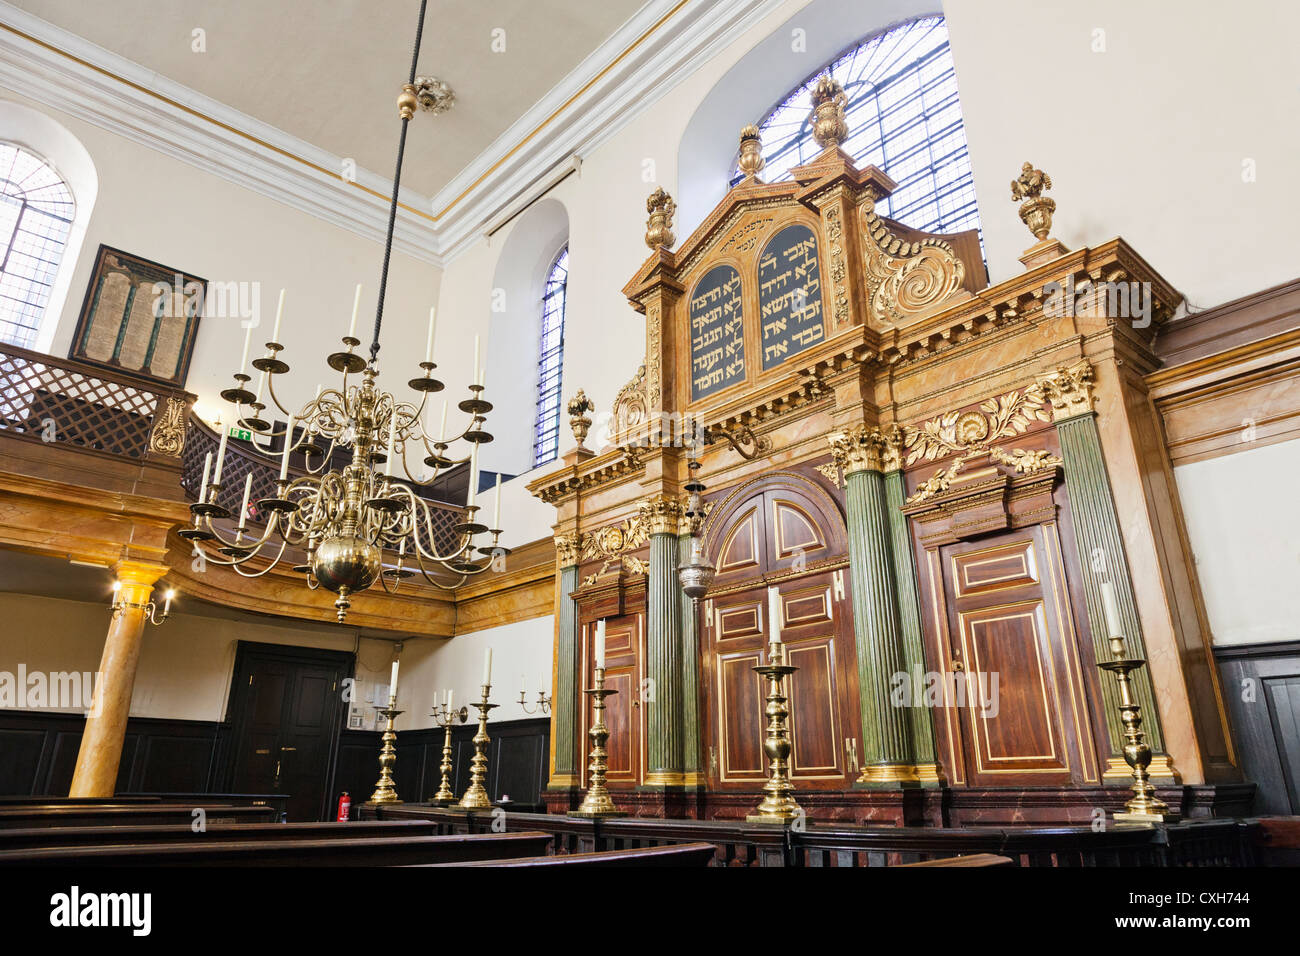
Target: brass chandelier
{"points": [[345, 518]]}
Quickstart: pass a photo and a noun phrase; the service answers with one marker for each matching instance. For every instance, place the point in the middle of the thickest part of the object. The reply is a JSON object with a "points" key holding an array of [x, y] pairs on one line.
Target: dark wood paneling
{"points": [[1261, 685]]}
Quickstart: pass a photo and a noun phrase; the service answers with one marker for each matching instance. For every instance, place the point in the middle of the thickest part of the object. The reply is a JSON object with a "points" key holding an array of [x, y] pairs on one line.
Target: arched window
{"points": [[903, 116], [550, 362], [36, 213]]}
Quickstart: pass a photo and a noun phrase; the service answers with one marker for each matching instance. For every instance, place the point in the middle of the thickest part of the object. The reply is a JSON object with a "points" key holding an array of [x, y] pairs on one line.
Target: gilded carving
{"points": [[567, 549], [864, 448], [751, 160], [1025, 462], [832, 472], [630, 406], [659, 227], [654, 327], [839, 272], [953, 432], [168, 436], [1036, 210], [828, 102], [579, 420], [612, 543], [661, 514], [1069, 390], [903, 277], [746, 237]]}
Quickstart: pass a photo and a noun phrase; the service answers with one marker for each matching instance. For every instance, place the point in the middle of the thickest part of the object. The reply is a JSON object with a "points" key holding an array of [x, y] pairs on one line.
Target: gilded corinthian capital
{"points": [[567, 549], [1069, 389], [661, 514], [867, 448]]}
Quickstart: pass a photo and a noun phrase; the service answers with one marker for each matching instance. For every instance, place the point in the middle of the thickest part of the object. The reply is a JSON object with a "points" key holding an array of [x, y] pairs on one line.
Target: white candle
{"points": [[523, 684], [401, 549], [356, 307], [774, 613], [248, 335], [288, 446], [392, 683], [428, 345], [261, 384], [392, 444], [496, 506], [447, 699], [487, 667], [167, 607], [476, 358], [473, 475], [221, 452], [207, 467], [248, 490], [600, 644], [442, 429], [279, 314], [480, 374], [1111, 610]]}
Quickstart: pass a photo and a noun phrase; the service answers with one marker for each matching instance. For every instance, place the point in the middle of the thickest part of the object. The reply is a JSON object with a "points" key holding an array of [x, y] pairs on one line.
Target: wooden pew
{"points": [[679, 854], [116, 814], [974, 859], [366, 851], [42, 837]]}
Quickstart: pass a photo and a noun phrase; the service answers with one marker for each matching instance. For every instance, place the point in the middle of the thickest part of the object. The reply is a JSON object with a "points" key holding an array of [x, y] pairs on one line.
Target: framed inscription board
{"points": [[789, 295], [717, 332], [139, 316]]}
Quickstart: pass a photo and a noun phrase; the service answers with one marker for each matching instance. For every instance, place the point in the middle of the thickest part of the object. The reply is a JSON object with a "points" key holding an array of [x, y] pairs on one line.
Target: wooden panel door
{"points": [[1014, 688], [822, 695], [624, 713]]}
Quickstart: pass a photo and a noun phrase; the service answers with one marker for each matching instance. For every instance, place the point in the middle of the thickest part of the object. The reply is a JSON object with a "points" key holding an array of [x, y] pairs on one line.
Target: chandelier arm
{"points": [[438, 584], [257, 574], [270, 387]]}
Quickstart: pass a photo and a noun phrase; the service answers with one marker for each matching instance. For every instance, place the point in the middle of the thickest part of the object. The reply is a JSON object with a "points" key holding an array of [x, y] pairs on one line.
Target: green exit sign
{"points": [[243, 434]]}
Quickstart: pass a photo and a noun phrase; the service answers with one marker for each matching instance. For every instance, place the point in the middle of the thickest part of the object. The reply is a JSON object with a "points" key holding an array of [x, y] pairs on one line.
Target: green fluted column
{"points": [[1097, 535], [692, 730], [909, 620], [565, 707], [886, 732], [662, 697]]}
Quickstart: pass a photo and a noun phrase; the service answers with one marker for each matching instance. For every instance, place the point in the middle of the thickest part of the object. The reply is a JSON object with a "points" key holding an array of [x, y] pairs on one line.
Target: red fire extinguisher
{"points": [[345, 807]]}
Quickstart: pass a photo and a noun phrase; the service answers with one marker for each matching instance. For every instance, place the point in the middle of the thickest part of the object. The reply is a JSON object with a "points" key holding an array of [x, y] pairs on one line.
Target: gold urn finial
{"points": [[829, 101], [659, 228], [751, 152], [579, 406], [1036, 210]]}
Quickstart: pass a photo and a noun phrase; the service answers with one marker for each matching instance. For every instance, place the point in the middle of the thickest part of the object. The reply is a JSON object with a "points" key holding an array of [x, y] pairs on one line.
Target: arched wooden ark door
{"points": [[782, 531]]}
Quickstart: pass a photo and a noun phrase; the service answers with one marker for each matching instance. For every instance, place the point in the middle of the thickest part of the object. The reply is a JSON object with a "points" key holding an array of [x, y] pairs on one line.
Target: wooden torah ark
{"points": [[995, 454]]}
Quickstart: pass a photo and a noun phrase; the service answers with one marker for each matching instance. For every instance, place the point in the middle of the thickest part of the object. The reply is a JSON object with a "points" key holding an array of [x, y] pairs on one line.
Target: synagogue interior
{"points": [[763, 433]]}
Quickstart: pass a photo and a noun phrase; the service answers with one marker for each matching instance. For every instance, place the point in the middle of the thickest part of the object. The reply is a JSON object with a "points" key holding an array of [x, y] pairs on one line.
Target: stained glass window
{"points": [[36, 210], [550, 362], [903, 116]]}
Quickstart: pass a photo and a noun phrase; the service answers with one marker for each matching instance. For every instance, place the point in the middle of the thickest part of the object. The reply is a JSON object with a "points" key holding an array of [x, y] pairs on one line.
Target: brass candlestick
{"points": [[447, 717], [476, 797], [778, 805], [1145, 806], [385, 791], [597, 802]]}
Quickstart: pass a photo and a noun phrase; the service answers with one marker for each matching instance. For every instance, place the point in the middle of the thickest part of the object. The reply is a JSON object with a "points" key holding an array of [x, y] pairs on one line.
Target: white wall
{"points": [[519, 650], [187, 663], [1244, 524]]}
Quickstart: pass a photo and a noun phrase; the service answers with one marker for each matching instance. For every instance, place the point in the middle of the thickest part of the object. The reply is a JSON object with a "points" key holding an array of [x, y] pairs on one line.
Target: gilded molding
{"points": [[659, 227], [655, 335], [839, 271], [561, 485], [1069, 390], [168, 435], [957, 432], [866, 448]]}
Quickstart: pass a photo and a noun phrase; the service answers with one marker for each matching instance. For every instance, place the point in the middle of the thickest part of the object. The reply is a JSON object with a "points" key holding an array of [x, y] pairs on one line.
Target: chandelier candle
{"points": [[337, 521], [279, 314]]}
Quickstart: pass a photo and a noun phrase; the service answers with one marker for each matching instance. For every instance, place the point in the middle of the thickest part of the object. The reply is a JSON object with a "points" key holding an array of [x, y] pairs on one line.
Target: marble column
{"points": [[1101, 548], [101, 742], [661, 696], [909, 619], [887, 760], [564, 710], [692, 729]]}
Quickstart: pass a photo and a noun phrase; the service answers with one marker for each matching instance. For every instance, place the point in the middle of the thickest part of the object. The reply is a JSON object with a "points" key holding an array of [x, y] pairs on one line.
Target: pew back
{"points": [[35, 837]]}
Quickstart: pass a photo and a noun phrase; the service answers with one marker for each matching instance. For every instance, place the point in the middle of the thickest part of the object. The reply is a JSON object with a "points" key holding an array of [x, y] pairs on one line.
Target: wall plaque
{"points": [[789, 295], [717, 332]]}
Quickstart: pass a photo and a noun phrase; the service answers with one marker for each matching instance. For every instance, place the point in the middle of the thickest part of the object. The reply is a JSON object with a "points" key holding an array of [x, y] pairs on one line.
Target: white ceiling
{"points": [[328, 72]]}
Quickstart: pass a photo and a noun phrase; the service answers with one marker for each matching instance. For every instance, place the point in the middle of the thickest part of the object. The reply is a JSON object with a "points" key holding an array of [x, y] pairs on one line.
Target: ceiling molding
{"points": [[653, 51]]}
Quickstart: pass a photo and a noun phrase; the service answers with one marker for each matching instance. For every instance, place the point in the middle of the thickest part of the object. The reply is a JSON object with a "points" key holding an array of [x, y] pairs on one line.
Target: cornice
{"points": [[652, 52]]}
